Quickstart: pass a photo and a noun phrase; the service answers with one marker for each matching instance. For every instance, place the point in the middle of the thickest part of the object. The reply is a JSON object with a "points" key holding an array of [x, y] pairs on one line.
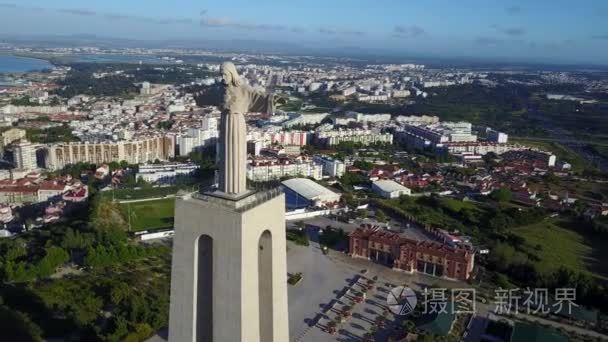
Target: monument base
{"points": [[228, 280]]}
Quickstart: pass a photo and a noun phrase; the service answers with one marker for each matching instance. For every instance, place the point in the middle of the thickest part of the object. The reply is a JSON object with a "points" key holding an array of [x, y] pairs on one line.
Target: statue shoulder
{"points": [[236, 99]]}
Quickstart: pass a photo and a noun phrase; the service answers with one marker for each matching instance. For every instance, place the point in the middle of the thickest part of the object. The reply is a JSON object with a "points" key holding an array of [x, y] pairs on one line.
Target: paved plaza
{"points": [[331, 282]]}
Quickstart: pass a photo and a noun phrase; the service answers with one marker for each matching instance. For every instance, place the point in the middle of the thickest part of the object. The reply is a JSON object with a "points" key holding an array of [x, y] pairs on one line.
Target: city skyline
{"points": [[551, 32], [242, 182]]}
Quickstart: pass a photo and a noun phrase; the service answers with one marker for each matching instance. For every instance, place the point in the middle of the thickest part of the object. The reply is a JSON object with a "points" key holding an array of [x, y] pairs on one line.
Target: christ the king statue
{"points": [[239, 98]]}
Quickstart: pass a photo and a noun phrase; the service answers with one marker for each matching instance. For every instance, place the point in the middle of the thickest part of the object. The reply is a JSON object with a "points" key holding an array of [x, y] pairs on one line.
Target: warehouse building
{"points": [[390, 189], [303, 192]]}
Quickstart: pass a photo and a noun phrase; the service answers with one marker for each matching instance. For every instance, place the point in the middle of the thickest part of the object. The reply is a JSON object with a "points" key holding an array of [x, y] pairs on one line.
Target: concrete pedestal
{"points": [[229, 272]]}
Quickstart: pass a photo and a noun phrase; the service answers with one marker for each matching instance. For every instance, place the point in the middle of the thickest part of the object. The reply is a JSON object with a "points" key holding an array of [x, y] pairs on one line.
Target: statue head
{"points": [[231, 76]]}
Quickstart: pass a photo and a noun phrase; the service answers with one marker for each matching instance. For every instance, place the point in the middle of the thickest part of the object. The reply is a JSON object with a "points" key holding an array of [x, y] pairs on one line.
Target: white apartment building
{"points": [[478, 148], [431, 84], [359, 117], [210, 123], [295, 138], [305, 119], [10, 136], [341, 121], [195, 139], [349, 91], [496, 136], [271, 170], [365, 137], [6, 213], [373, 98], [314, 86], [145, 89], [137, 151], [417, 119], [435, 134], [401, 93], [24, 155], [331, 167], [164, 173]]}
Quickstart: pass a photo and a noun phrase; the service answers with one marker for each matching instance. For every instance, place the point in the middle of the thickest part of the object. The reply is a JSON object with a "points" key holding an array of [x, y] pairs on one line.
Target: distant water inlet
{"points": [[9, 63]]}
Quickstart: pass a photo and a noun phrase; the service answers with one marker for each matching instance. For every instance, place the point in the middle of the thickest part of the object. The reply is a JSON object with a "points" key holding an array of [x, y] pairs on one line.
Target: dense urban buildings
{"points": [[165, 173], [134, 152], [10, 136], [365, 137], [24, 155], [449, 175], [264, 169]]}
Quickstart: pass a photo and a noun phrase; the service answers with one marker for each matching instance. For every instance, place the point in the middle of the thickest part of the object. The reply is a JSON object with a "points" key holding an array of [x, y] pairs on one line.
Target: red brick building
{"points": [[429, 257]]}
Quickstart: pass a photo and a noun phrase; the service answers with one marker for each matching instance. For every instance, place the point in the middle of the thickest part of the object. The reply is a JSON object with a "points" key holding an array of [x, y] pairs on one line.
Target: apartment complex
{"points": [[287, 138], [417, 119], [263, 170], [429, 257], [24, 155], [134, 152], [331, 167], [365, 137], [165, 173], [32, 189], [196, 139], [478, 148], [10, 136], [435, 134]]}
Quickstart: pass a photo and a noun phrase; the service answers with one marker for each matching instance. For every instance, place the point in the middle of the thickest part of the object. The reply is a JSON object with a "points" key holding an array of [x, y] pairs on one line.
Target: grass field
{"points": [[562, 246], [149, 214]]}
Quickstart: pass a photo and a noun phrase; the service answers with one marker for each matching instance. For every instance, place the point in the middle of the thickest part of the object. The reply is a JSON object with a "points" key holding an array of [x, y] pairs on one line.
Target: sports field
{"points": [[149, 214]]}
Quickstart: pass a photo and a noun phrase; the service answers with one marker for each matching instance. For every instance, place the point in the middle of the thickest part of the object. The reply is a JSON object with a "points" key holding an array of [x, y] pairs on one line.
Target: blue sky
{"points": [[535, 31]]}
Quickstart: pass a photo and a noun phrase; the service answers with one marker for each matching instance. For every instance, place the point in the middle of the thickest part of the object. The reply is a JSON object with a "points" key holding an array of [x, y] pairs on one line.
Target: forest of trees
{"points": [[49, 135], [80, 79], [98, 304]]}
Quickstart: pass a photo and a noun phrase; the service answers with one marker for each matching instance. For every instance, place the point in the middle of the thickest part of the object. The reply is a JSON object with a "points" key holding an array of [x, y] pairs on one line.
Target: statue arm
{"points": [[261, 102]]}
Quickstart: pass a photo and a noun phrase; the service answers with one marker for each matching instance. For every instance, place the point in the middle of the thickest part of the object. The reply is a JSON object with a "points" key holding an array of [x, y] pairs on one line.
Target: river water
{"points": [[10, 63]]}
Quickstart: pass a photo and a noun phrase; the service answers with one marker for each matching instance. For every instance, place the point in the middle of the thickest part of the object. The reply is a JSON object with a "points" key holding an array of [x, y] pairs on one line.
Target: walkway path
{"points": [[145, 199]]}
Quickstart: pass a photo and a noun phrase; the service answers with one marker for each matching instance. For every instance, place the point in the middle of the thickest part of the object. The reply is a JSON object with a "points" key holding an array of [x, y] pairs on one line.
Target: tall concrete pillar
{"points": [[228, 281]]}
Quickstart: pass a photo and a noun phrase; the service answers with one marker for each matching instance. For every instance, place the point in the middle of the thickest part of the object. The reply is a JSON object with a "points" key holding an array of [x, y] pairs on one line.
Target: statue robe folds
{"points": [[238, 100]]}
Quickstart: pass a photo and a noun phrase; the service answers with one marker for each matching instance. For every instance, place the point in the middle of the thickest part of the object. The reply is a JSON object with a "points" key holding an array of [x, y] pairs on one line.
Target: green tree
{"points": [[119, 293], [120, 329], [362, 213], [73, 239], [502, 195], [551, 178], [490, 157], [350, 200], [55, 257], [380, 215], [142, 332], [363, 165], [17, 326], [23, 101], [55, 101]]}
